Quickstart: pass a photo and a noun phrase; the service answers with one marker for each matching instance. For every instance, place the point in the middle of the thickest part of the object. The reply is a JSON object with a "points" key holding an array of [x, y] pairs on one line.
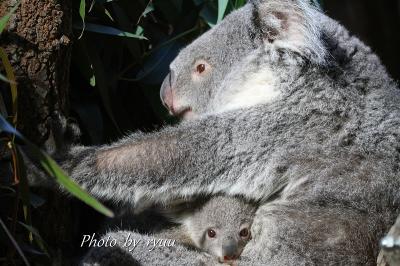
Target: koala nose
{"points": [[166, 92], [229, 250]]}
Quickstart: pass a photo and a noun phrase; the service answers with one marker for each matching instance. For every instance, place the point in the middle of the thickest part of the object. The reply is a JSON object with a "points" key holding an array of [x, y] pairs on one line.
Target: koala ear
{"points": [[290, 24]]}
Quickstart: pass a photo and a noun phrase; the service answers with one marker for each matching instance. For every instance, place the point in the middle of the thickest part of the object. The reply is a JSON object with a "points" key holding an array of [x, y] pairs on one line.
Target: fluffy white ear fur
{"points": [[292, 25]]}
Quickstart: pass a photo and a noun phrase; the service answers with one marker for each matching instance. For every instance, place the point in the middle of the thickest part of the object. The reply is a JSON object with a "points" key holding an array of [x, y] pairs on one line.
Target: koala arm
{"points": [[202, 156]]}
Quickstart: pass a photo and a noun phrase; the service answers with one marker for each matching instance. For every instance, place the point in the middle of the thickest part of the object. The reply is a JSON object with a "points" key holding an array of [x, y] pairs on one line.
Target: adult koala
{"points": [[278, 100]]}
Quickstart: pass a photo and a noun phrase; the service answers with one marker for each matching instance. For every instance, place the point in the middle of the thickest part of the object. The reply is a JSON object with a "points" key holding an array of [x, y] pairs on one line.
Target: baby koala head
{"points": [[221, 227]]}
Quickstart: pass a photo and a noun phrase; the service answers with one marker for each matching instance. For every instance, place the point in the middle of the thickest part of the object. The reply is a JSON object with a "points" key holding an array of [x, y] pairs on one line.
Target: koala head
{"points": [[221, 227], [196, 75]]}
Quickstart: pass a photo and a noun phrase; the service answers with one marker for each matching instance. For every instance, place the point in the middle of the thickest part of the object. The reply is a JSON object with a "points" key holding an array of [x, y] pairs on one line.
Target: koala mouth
{"points": [[228, 260]]}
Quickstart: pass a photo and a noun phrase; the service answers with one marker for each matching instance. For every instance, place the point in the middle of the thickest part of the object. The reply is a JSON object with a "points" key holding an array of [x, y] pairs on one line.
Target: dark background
{"points": [[377, 23]]}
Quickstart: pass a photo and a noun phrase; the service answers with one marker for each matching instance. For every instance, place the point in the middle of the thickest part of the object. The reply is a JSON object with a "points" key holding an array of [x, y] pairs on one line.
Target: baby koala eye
{"points": [[211, 233], [200, 68], [244, 233]]}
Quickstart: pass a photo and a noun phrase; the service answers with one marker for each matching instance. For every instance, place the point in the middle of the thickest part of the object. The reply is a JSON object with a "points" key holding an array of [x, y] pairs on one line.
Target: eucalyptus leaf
{"points": [[139, 31], [239, 3], [109, 31], [92, 81], [108, 14], [222, 4], [149, 8], [82, 14], [209, 13]]}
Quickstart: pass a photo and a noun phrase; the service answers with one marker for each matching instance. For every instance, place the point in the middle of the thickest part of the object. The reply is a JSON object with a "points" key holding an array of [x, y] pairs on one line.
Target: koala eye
{"points": [[244, 233], [200, 68], [211, 233]]}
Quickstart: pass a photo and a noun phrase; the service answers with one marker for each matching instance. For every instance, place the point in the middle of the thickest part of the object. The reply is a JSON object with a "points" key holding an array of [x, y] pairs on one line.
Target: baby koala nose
{"points": [[229, 250]]}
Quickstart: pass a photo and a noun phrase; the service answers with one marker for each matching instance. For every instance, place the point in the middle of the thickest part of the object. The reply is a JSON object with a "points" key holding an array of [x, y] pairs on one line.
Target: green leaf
{"points": [[239, 3], [149, 8], [139, 31], [54, 170], [108, 14], [92, 81], [110, 31], [4, 19], [222, 4], [209, 13], [82, 14], [51, 167]]}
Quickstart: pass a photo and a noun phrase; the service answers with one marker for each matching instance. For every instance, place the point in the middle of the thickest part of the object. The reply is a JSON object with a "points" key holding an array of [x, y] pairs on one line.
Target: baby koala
{"points": [[220, 227]]}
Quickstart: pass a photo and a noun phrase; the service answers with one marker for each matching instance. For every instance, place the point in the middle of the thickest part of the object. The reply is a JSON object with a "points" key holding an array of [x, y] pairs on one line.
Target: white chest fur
{"points": [[248, 90]]}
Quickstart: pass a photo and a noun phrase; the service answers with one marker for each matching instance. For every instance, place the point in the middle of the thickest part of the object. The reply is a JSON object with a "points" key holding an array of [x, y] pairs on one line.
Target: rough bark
{"points": [[37, 41]]}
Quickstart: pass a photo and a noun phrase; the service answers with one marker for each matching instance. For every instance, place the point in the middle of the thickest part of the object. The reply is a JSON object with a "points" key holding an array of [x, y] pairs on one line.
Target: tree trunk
{"points": [[37, 41]]}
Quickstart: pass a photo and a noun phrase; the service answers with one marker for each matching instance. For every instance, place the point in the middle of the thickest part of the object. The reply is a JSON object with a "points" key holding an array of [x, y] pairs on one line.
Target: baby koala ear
{"points": [[290, 24]]}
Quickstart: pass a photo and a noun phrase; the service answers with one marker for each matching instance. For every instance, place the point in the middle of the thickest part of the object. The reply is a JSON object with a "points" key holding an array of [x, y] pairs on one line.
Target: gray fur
{"points": [[328, 142], [227, 217]]}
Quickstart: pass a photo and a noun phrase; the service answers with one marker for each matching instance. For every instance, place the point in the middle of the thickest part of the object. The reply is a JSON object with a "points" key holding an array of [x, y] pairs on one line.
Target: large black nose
{"points": [[230, 249]]}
